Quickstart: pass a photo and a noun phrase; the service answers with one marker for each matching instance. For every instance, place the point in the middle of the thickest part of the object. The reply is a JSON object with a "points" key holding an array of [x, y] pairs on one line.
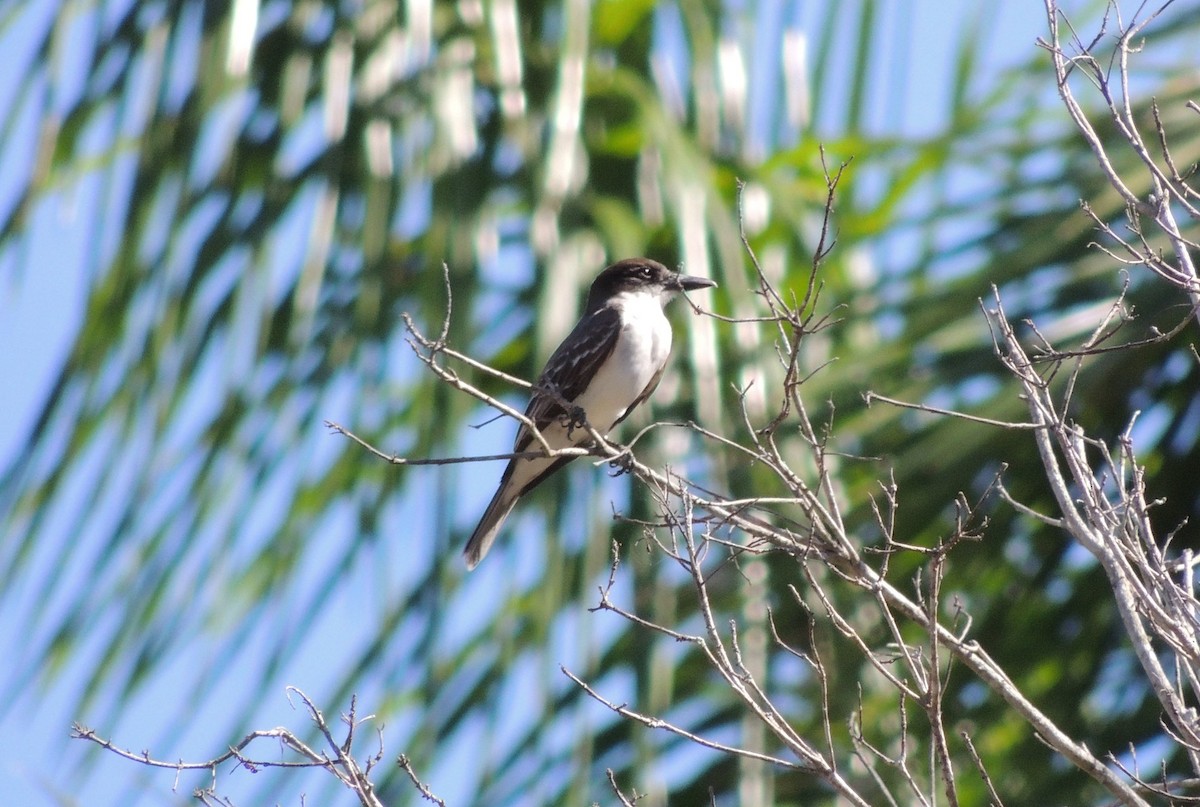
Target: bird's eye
{"points": [[644, 271]]}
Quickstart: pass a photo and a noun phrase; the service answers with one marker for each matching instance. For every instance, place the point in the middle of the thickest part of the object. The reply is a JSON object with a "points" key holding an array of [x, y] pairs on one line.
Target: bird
{"points": [[610, 362]]}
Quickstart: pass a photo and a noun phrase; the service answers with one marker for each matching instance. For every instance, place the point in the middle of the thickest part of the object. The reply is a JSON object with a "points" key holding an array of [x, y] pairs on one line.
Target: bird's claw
{"points": [[576, 419], [621, 464]]}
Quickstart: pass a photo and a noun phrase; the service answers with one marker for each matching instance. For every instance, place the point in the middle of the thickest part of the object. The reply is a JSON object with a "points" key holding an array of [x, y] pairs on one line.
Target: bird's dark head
{"points": [[640, 275]]}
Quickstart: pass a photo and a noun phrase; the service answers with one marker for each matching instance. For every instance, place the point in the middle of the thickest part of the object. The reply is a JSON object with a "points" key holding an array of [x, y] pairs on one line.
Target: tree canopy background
{"points": [[249, 195]]}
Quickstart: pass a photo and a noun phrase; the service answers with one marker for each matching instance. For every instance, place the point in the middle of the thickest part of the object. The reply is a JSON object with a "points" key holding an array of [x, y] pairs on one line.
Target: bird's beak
{"points": [[691, 282]]}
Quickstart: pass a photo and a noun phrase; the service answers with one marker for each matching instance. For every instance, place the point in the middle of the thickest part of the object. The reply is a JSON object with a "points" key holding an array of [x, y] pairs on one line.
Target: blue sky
{"points": [[42, 294]]}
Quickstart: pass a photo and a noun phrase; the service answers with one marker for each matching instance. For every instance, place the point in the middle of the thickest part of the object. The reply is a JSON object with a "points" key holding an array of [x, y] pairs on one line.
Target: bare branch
{"points": [[1168, 189], [337, 758], [870, 397], [657, 723], [398, 460], [406, 765]]}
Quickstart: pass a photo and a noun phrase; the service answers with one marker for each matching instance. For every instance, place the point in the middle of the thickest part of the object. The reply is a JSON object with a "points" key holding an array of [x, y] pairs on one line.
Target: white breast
{"points": [[641, 351]]}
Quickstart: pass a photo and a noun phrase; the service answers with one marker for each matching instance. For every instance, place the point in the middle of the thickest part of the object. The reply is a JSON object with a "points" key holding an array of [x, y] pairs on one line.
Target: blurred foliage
{"points": [[267, 206]]}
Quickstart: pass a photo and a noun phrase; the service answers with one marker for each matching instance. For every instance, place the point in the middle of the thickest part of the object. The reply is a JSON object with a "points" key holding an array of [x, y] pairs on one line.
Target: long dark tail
{"points": [[489, 526]]}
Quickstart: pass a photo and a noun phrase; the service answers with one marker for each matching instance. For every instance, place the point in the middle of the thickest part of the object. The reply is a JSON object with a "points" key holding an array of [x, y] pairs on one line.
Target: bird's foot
{"points": [[622, 463], [576, 419]]}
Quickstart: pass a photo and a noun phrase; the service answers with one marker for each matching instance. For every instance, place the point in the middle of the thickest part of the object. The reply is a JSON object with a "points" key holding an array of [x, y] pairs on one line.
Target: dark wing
{"points": [[571, 368]]}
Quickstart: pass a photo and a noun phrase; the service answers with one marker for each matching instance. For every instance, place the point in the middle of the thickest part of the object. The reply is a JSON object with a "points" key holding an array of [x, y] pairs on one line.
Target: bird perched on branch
{"points": [[610, 362]]}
